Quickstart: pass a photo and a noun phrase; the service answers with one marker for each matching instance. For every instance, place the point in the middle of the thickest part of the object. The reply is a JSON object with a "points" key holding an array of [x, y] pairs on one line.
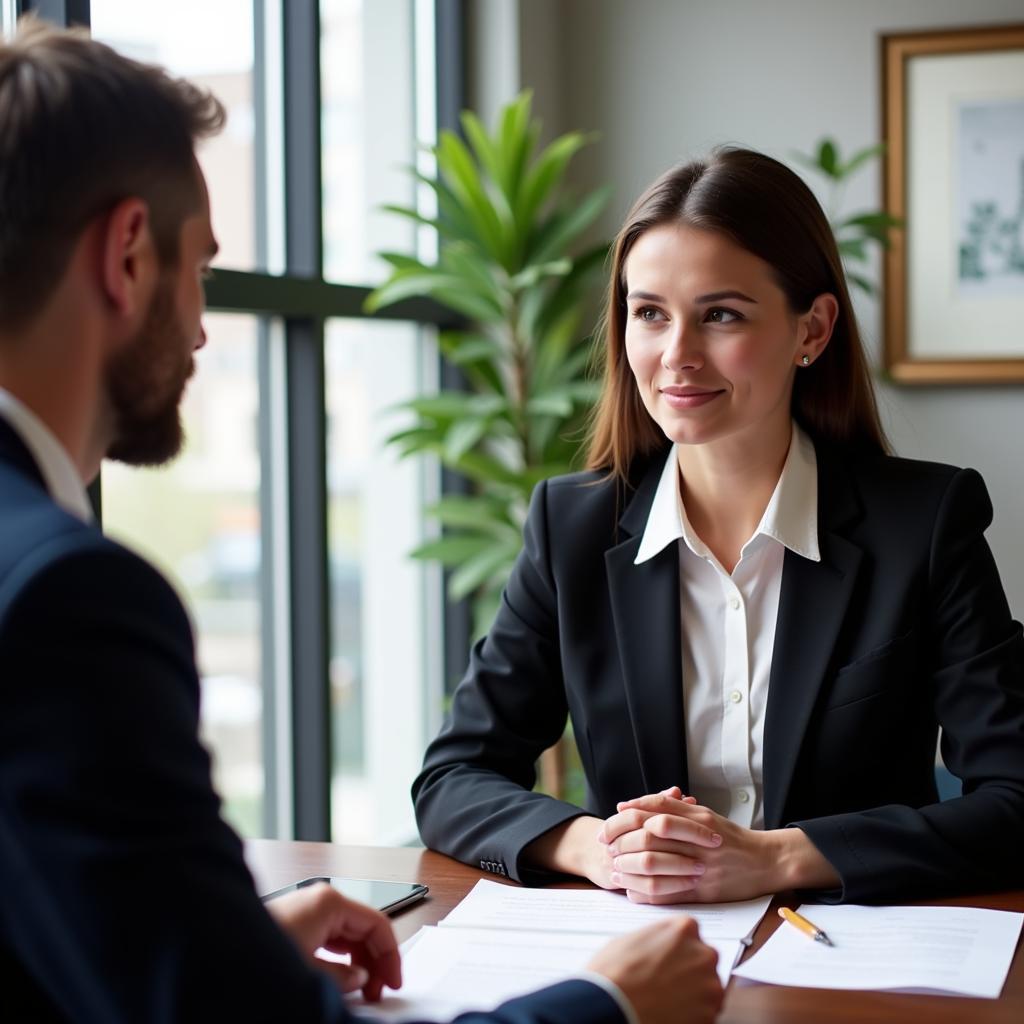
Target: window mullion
{"points": [[306, 419]]}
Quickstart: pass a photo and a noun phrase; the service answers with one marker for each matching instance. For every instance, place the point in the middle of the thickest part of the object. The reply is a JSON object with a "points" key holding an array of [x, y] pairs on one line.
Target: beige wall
{"points": [[663, 80]]}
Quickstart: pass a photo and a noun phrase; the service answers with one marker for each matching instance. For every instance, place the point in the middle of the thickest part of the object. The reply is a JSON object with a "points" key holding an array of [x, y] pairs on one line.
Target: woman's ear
{"points": [[816, 326], [128, 262]]}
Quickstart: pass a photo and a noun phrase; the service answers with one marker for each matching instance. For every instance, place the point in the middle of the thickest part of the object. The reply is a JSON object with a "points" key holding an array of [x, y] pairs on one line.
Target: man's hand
{"points": [[666, 973], [319, 917]]}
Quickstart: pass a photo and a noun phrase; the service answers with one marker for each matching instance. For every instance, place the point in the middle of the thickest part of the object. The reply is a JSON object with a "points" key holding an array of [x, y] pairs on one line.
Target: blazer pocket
{"points": [[883, 669]]}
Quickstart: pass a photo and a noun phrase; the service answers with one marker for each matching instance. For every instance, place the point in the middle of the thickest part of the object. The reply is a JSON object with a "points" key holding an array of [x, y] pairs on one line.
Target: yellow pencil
{"points": [[807, 927]]}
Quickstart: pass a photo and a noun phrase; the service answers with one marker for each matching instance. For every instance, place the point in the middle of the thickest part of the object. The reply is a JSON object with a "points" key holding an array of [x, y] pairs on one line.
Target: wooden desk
{"points": [[275, 864]]}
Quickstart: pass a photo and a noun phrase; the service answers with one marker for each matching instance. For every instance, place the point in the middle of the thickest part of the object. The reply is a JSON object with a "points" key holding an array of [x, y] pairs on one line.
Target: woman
{"points": [[756, 618]]}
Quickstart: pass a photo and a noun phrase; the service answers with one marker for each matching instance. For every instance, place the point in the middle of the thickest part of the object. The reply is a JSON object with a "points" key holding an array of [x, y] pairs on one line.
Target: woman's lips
{"points": [[688, 398]]}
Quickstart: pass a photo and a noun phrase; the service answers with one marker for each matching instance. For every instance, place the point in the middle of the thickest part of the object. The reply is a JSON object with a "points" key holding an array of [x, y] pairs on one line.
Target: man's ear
{"points": [[127, 257]]}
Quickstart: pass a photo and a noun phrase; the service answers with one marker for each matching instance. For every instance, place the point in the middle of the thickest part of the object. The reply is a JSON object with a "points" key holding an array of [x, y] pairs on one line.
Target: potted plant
{"points": [[510, 261]]}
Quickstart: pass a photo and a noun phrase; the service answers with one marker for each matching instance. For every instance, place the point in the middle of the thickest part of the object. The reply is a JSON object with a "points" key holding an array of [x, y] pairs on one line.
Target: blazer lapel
{"points": [[645, 610], [812, 606]]}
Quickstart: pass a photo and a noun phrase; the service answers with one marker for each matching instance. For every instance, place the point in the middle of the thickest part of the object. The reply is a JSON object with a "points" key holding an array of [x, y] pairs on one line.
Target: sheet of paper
{"points": [[964, 950], [446, 971], [491, 905]]}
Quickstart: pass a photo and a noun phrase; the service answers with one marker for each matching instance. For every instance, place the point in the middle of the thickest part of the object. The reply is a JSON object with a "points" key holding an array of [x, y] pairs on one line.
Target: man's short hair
{"points": [[82, 128]]}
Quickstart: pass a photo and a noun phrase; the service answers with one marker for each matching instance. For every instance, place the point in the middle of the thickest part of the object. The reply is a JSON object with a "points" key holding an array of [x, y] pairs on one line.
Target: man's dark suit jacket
{"points": [[902, 627], [125, 896]]}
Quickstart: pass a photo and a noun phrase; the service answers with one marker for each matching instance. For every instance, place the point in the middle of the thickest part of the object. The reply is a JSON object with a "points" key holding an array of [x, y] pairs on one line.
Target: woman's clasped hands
{"points": [[667, 848]]}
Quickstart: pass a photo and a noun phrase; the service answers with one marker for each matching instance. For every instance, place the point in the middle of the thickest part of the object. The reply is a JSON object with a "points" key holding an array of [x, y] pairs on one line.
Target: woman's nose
{"points": [[682, 352]]}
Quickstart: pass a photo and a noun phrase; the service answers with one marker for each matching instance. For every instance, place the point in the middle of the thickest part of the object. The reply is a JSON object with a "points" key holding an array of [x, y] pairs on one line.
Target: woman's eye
{"points": [[722, 316], [647, 313]]}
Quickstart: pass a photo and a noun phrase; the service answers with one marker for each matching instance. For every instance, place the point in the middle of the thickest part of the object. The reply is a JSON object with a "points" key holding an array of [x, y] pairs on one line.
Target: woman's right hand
{"points": [[579, 846]]}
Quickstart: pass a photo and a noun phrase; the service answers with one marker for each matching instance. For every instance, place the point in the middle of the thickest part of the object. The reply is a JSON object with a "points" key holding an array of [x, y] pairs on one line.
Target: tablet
{"points": [[385, 896]]}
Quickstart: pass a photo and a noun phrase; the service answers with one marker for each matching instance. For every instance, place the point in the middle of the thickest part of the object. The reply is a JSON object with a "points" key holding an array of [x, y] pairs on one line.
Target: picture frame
{"points": [[953, 123]]}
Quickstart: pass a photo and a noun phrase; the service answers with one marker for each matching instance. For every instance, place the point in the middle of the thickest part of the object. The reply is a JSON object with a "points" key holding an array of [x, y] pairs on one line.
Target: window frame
{"points": [[295, 630]]}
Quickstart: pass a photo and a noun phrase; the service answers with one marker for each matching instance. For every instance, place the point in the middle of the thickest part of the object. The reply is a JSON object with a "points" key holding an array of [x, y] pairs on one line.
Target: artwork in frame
{"points": [[953, 112]]}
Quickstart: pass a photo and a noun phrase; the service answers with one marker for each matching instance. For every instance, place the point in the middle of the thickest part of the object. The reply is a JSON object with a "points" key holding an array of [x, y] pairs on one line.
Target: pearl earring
{"points": [[806, 360]]}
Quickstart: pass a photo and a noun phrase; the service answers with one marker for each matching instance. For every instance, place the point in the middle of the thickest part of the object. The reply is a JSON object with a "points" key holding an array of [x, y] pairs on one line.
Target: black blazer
{"points": [[900, 628], [125, 897]]}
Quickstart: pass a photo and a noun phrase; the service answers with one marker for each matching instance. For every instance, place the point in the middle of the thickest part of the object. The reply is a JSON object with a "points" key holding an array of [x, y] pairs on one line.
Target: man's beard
{"points": [[145, 382]]}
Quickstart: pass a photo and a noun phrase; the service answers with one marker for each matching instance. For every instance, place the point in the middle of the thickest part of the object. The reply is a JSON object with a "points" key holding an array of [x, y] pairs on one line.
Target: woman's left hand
{"points": [[656, 860]]}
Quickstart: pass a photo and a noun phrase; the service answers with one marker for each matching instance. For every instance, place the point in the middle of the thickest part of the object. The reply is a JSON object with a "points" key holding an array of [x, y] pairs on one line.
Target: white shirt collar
{"points": [[59, 473], [791, 517]]}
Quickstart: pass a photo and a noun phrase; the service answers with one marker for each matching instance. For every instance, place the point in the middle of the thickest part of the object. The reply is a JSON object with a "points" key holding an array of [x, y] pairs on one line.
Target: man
{"points": [[126, 897]]}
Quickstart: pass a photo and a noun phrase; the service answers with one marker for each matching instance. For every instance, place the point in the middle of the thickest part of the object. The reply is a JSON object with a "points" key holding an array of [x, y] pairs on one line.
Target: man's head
{"points": [[91, 141]]}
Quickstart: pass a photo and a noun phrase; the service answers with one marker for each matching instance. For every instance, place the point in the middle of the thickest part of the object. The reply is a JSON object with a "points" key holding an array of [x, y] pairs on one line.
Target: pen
{"points": [[807, 927]]}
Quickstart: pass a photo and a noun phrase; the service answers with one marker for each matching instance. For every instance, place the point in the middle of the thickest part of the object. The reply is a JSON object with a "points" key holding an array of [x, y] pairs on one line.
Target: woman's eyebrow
{"points": [[729, 294], [700, 300]]}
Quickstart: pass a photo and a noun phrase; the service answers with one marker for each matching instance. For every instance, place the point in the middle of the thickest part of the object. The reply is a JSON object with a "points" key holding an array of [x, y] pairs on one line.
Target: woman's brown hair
{"points": [[765, 208]]}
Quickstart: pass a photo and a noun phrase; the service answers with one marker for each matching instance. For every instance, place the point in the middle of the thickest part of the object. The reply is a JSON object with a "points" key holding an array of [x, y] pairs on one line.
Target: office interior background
{"points": [[326, 653]]}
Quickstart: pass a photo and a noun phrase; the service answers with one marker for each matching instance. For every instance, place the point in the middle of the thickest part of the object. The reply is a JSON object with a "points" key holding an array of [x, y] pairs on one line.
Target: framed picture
{"points": [[953, 113]]}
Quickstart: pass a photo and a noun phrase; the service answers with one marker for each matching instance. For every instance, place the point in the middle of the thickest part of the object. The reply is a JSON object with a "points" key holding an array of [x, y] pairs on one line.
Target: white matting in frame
{"points": [[965, 205]]}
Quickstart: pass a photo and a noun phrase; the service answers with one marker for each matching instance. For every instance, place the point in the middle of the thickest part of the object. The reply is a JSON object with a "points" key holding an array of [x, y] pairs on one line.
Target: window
{"points": [[285, 525], [198, 520], [8, 14], [380, 599], [369, 133], [218, 57]]}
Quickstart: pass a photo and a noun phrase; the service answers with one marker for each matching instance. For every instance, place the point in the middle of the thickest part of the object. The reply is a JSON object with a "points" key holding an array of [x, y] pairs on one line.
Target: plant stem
{"points": [[520, 380]]}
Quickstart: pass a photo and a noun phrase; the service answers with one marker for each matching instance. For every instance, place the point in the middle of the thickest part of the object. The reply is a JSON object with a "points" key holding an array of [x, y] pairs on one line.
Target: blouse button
{"points": [[743, 796], [735, 696], [734, 603]]}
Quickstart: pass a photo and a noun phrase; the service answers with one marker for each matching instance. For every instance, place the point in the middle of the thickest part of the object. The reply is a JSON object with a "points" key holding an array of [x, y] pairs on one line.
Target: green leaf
{"points": [[537, 272], [453, 550], [827, 158], [447, 405], [460, 174], [872, 220], [448, 289], [517, 138], [473, 306], [563, 228], [553, 349], [474, 349], [481, 358], [462, 261], [462, 436], [873, 225], [483, 147], [547, 173], [414, 215], [452, 214], [485, 608], [860, 158], [541, 309], [486, 469], [585, 392], [402, 261], [554, 403], [475, 570], [864, 284], [474, 512], [852, 248], [431, 434]]}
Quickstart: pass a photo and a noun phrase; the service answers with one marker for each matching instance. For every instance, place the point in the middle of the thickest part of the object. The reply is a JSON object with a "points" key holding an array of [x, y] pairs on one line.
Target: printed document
{"points": [[492, 905], [953, 950], [501, 942]]}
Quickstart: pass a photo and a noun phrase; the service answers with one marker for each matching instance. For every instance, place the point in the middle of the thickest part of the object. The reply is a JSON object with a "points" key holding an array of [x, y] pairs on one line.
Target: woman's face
{"points": [[710, 337]]}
